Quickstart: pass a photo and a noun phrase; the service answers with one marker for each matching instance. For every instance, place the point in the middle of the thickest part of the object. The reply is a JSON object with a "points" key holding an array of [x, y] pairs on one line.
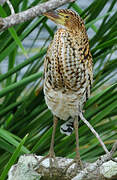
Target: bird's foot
{"points": [[78, 165], [53, 164], [53, 161]]}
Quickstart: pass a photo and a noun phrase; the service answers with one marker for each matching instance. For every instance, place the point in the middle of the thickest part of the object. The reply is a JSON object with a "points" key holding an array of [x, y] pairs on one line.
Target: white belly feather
{"points": [[63, 105]]}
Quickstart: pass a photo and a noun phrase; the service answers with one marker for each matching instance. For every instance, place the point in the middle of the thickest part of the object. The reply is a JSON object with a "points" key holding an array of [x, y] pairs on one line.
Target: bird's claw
{"points": [[78, 165], [52, 161]]}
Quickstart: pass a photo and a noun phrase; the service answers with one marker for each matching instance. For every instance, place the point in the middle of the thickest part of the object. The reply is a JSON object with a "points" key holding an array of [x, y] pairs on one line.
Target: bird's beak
{"points": [[55, 16]]}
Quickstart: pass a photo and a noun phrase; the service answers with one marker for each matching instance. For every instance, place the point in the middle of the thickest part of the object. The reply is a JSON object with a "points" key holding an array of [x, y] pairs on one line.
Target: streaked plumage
{"points": [[68, 68], [67, 74], [68, 79]]}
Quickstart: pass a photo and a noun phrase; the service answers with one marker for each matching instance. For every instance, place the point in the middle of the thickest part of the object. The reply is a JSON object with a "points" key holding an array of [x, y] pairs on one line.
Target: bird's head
{"points": [[67, 18]]}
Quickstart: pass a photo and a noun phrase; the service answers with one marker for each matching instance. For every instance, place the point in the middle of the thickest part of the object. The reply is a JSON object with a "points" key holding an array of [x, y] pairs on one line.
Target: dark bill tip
{"points": [[52, 14]]}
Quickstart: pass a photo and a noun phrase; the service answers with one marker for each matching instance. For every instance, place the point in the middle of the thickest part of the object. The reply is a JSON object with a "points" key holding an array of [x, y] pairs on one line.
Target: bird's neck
{"points": [[80, 35]]}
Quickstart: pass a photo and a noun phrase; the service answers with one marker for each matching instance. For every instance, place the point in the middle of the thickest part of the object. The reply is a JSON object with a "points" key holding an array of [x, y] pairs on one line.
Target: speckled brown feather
{"points": [[68, 69]]}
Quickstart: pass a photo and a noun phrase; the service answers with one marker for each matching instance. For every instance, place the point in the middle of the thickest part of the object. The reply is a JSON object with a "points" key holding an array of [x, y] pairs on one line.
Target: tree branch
{"points": [[31, 13], [93, 131], [28, 168]]}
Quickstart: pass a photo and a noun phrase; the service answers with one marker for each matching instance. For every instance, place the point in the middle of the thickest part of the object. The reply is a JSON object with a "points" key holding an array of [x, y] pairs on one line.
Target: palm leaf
{"points": [[22, 106]]}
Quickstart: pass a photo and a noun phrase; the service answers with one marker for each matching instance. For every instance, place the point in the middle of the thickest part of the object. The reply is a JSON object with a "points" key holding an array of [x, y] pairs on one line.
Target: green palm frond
{"points": [[22, 106]]}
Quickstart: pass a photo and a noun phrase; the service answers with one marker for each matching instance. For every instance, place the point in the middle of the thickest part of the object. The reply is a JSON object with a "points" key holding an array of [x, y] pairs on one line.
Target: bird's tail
{"points": [[68, 127]]}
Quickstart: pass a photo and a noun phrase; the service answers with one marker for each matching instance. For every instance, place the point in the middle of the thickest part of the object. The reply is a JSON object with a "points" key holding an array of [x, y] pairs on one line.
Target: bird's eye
{"points": [[67, 16]]}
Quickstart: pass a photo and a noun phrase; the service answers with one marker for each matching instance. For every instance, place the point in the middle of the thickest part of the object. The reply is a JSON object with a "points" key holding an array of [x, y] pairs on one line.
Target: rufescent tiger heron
{"points": [[68, 75]]}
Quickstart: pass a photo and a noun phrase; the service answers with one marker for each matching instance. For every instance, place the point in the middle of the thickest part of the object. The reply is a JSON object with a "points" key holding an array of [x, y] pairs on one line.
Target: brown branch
{"points": [[31, 13]]}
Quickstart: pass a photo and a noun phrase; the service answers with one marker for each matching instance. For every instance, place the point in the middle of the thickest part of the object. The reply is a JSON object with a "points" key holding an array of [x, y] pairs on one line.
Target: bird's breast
{"points": [[68, 76]]}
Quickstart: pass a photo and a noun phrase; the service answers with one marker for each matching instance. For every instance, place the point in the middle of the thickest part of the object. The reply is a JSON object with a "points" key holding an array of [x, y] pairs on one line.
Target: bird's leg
{"points": [[77, 159], [51, 151], [94, 132], [51, 154]]}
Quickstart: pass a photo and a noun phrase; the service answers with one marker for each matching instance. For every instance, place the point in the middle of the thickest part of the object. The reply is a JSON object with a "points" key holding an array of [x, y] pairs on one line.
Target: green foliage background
{"points": [[22, 106]]}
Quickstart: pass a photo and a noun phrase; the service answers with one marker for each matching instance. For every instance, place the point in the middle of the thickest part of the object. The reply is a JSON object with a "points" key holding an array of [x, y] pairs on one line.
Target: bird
{"points": [[68, 74]]}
